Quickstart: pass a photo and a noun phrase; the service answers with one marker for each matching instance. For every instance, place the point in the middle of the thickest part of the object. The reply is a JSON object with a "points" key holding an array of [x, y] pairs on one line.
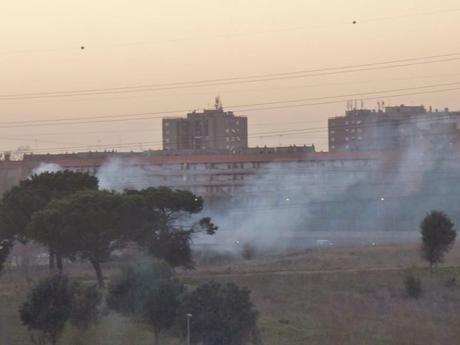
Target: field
{"points": [[338, 295]]}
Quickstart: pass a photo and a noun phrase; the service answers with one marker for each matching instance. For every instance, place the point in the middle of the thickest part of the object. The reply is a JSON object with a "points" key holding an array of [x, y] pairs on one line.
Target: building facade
{"points": [[393, 128], [210, 130]]}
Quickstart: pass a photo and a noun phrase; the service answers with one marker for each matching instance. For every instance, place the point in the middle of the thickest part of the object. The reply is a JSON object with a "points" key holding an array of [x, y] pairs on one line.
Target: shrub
{"points": [[48, 307], [413, 287], [220, 314], [248, 252], [85, 310]]}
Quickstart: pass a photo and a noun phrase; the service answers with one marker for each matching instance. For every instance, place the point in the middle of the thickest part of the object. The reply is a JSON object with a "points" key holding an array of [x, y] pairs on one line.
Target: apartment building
{"points": [[393, 128], [211, 130]]}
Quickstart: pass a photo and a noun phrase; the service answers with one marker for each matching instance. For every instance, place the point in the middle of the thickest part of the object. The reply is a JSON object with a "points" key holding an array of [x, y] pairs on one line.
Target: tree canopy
{"points": [[33, 194], [67, 213], [86, 224], [167, 225]]}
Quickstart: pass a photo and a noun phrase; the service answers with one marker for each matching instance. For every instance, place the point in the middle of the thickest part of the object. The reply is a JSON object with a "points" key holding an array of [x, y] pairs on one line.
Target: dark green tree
{"points": [[221, 315], [166, 222], [48, 307], [149, 294], [32, 195], [438, 237], [87, 225]]}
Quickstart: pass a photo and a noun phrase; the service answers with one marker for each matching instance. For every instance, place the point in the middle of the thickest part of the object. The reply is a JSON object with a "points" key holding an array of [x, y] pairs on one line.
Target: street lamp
{"points": [[189, 316]]}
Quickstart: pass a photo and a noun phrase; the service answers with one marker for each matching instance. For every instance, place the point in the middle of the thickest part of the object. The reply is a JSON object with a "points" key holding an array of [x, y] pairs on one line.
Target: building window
{"points": [[346, 138], [166, 124], [332, 131], [332, 139]]}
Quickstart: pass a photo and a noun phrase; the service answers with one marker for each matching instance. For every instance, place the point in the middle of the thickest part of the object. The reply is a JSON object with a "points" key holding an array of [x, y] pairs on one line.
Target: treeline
{"points": [[67, 213]]}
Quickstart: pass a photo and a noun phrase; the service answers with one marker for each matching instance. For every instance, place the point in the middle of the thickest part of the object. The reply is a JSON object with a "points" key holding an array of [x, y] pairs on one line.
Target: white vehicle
{"points": [[324, 243]]}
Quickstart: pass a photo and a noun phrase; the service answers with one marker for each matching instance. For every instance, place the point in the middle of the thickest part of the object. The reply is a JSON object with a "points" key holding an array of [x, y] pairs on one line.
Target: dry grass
{"points": [[330, 296]]}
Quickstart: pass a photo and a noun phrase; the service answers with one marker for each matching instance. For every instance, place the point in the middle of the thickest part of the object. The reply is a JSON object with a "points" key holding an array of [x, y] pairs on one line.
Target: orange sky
{"points": [[139, 42]]}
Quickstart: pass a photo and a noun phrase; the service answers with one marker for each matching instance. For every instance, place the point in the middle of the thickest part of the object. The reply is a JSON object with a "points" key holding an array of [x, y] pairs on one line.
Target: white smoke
{"points": [[293, 204], [117, 174], [47, 167]]}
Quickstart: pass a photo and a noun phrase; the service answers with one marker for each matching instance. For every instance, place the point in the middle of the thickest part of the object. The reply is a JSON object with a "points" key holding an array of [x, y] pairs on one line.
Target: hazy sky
{"points": [[150, 42]]}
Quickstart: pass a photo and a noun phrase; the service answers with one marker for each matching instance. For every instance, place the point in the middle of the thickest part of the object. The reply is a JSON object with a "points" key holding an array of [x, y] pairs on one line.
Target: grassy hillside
{"points": [[351, 295]]}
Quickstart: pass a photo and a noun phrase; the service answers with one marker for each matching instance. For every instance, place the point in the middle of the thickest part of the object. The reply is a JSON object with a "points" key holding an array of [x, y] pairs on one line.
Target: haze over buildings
{"points": [[394, 128]]}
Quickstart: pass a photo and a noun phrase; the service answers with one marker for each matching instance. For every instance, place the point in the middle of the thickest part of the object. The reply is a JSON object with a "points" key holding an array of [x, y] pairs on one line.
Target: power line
{"points": [[151, 115], [59, 121], [239, 80], [253, 135]]}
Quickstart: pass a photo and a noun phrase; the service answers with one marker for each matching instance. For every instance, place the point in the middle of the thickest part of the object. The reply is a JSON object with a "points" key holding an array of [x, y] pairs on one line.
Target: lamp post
{"points": [[189, 316]]}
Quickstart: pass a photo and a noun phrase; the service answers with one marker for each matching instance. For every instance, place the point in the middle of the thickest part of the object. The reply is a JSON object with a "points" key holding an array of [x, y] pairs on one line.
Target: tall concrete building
{"points": [[210, 130], [393, 128]]}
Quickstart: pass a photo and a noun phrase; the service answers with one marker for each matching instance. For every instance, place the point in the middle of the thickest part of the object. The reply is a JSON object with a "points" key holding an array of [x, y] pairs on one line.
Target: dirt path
{"points": [[230, 274]]}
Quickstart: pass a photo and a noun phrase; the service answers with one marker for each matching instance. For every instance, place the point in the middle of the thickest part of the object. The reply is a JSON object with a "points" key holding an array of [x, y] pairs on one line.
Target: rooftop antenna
{"points": [[218, 103]]}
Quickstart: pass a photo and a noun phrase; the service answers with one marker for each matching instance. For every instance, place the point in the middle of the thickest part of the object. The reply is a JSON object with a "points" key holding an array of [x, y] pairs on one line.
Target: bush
{"points": [[85, 309], [413, 287], [451, 282], [149, 294], [48, 307], [215, 258], [248, 252], [55, 300], [220, 314]]}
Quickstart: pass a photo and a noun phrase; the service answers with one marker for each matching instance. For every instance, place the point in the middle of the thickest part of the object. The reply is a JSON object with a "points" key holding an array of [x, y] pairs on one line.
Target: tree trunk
{"points": [[51, 260], [97, 267], [59, 265]]}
